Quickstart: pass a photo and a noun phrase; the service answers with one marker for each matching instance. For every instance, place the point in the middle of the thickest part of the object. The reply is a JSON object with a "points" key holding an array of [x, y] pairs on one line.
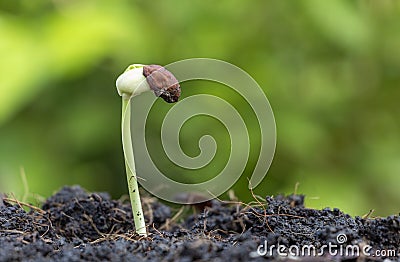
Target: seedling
{"points": [[135, 80]]}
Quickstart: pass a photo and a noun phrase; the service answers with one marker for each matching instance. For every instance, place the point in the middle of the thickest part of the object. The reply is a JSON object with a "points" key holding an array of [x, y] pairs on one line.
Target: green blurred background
{"points": [[331, 70]]}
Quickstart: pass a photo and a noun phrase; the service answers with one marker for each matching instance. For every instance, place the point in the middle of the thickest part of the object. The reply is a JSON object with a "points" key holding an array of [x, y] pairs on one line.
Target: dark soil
{"points": [[74, 225]]}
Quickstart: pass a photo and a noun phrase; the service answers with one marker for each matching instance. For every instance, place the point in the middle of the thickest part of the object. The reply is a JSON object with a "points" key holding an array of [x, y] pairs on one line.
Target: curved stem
{"points": [[136, 204]]}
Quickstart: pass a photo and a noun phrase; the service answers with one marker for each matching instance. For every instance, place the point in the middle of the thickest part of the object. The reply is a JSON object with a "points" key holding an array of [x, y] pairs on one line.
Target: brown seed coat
{"points": [[162, 82]]}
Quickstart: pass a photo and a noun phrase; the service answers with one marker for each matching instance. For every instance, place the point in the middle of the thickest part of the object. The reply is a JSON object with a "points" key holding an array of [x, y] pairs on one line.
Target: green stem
{"points": [[136, 204]]}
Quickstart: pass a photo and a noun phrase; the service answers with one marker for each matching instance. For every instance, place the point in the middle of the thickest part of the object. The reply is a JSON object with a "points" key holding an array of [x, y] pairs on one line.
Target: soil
{"points": [[73, 225]]}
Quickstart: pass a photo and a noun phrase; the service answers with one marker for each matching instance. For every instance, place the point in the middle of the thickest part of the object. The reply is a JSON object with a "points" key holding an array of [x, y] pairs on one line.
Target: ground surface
{"points": [[73, 225]]}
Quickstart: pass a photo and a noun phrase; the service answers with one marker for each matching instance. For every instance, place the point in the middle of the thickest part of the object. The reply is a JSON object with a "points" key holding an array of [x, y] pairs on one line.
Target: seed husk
{"points": [[162, 82]]}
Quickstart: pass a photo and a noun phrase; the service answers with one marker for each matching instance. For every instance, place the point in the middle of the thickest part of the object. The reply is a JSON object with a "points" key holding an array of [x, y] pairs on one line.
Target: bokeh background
{"points": [[331, 71]]}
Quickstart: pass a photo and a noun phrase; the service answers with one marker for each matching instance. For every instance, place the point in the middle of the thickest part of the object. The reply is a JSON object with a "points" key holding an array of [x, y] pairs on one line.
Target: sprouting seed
{"points": [[137, 79]]}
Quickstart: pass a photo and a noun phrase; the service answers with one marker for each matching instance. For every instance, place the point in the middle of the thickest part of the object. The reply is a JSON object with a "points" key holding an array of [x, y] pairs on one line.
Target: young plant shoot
{"points": [[135, 80]]}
